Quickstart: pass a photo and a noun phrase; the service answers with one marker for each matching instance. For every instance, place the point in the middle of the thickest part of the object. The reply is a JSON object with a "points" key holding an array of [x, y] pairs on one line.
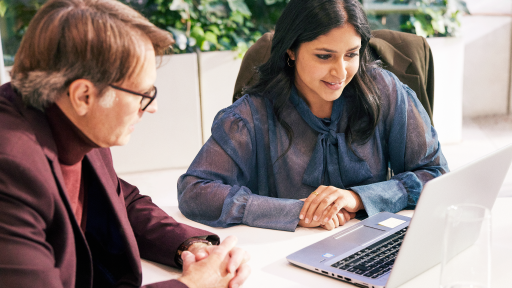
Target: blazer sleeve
{"points": [[158, 235]]}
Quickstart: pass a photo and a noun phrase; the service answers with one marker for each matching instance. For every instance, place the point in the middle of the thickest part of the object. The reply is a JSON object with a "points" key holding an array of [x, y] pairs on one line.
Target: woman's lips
{"points": [[333, 85]]}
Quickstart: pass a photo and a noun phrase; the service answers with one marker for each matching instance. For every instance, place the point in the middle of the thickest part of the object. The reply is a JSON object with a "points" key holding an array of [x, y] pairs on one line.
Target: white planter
{"points": [[448, 53], [218, 72], [487, 65], [170, 138]]}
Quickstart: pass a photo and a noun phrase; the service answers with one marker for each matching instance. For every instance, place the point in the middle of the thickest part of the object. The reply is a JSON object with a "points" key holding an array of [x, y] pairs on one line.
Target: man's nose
{"points": [[152, 108]]}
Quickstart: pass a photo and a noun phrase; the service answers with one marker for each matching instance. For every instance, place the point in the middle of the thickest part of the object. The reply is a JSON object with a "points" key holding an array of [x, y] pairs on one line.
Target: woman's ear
{"points": [[82, 94], [291, 54]]}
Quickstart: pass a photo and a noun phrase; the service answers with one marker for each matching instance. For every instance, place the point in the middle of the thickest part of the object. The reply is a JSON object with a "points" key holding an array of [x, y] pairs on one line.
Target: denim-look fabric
{"points": [[238, 177]]}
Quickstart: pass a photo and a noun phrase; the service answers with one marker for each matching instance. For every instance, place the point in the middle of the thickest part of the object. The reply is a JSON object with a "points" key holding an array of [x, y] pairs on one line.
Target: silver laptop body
{"points": [[476, 183]]}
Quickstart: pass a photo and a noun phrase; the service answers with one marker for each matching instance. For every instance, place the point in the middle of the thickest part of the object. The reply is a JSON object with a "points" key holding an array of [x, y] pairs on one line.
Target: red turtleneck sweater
{"points": [[72, 145]]}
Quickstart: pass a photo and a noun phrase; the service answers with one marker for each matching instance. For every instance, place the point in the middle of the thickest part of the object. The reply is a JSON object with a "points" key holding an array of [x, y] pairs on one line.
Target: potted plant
{"points": [[220, 32], [439, 21]]}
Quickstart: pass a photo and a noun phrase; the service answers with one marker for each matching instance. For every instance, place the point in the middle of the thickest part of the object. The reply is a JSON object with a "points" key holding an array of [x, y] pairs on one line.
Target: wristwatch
{"points": [[186, 245]]}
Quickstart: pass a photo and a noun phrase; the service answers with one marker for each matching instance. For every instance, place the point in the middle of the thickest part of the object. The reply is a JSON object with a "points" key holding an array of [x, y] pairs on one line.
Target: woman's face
{"points": [[324, 66]]}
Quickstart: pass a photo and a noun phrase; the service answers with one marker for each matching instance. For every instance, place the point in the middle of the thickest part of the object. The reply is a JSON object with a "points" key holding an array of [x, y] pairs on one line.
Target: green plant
{"points": [[441, 18], [206, 25], [14, 18]]}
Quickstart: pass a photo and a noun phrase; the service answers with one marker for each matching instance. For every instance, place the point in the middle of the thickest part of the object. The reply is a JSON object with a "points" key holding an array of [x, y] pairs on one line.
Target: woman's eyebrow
{"points": [[326, 50], [334, 51]]}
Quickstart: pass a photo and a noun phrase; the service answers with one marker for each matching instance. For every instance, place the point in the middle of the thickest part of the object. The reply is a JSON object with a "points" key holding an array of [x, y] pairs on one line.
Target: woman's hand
{"points": [[325, 202], [338, 220]]}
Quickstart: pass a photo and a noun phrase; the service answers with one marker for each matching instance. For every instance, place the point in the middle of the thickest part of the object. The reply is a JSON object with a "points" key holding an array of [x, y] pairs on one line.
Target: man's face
{"points": [[111, 124]]}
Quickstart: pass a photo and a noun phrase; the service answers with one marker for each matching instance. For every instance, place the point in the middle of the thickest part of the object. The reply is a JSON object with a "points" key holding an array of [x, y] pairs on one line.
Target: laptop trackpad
{"points": [[359, 236]]}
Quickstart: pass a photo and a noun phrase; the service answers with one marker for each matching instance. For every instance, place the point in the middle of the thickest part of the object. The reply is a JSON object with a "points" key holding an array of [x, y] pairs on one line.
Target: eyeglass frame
{"points": [[138, 94]]}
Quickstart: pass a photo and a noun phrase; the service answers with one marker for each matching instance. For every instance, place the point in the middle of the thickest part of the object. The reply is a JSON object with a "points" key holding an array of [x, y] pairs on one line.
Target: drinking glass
{"points": [[466, 257]]}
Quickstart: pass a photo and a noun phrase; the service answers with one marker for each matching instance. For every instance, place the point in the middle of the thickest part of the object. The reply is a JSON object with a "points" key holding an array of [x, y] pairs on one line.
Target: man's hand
{"points": [[325, 202], [215, 266]]}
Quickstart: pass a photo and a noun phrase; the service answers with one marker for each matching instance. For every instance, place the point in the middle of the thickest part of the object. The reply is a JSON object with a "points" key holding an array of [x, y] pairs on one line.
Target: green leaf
{"points": [[218, 9], [239, 6], [3, 8], [238, 18], [198, 33], [224, 41], [177, 5], [210, 37], [214, 29], [205, 46]]}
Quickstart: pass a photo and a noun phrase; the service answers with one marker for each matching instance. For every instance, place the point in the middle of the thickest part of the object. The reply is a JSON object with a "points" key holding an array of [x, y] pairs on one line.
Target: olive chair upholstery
{"points": [[407, 55]]}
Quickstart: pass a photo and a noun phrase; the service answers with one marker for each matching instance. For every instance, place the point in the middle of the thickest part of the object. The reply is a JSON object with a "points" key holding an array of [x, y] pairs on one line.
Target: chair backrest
{"points": [[407, 55]]}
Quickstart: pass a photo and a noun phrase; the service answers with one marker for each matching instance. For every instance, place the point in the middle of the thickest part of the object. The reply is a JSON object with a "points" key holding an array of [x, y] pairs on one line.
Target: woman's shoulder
{"points": [[241, 110], [383, 78]]}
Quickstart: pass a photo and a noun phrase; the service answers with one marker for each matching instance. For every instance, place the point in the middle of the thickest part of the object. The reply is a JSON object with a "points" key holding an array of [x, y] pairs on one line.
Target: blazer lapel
{"points": [[43, 133], [116, 202], [396, 62], [391, 56]]}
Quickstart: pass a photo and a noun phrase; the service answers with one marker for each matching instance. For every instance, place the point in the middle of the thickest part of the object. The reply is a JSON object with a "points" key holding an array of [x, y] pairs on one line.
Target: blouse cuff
{"points": [[272, 213], [389, 196]]}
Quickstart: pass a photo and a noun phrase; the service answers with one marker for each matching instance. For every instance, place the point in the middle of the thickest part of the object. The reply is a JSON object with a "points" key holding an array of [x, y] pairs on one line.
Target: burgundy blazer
{"points": [[41, 243]]}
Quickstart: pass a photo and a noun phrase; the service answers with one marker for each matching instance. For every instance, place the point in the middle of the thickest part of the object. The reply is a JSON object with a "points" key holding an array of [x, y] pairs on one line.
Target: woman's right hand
{"points": [[342, 217]]}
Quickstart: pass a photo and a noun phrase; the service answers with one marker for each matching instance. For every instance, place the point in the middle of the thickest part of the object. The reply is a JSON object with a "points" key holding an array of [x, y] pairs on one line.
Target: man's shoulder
{"points": [[18, 136]]}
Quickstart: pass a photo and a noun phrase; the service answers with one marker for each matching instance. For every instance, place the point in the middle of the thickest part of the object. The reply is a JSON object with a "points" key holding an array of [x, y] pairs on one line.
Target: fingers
{"points": [[200, 250], [238, 257], [336, 221], [315, 204], [342, 218], [226, 246], [326, 226], [334, 209], [242, 274], [316, 209], [307, 203], [188, 259]]}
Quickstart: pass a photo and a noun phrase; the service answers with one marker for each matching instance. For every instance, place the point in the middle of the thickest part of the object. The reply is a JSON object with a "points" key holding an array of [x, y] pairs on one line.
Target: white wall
{"points": [[487, 36], [170, 138], [448, 53], [218, 70]]}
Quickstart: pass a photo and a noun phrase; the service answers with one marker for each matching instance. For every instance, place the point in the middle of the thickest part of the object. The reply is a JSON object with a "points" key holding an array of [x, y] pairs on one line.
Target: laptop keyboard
{"points": [[374, 260]]}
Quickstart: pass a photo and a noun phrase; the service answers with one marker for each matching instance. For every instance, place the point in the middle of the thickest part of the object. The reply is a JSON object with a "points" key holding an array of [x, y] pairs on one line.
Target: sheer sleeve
{"points": [[220, 188], [415, 155]]}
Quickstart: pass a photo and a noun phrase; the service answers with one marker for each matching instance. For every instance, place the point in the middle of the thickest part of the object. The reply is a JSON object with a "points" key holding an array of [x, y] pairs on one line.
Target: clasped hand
{"points": [[329, 207], [215, 266]]}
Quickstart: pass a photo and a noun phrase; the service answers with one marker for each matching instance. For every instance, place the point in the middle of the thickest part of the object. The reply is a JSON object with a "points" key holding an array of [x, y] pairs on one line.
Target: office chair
{"points": [[406, 55]]}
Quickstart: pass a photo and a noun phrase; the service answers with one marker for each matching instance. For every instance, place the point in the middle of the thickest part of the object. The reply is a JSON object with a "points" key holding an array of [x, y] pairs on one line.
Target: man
{"points": [[82, 78]]}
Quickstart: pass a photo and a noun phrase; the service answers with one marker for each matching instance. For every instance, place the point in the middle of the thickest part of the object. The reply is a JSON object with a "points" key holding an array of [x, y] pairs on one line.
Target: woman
{"points": [[313, 141]]}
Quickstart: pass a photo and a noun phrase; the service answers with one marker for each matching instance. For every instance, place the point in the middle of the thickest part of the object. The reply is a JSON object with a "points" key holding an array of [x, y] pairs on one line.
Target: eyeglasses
{"points": [[146, 99]]}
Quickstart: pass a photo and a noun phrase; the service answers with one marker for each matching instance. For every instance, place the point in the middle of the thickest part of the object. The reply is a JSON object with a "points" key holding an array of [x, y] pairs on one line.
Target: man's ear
{"points": [[291, 54], [82, 95]]}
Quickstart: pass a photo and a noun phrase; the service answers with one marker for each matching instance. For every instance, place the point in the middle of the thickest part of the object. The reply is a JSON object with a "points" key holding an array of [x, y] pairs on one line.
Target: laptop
{"points": [[387, 250]]}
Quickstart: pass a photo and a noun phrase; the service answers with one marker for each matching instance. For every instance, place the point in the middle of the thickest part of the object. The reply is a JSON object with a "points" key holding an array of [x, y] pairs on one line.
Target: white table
{"points": [[268, 249]]}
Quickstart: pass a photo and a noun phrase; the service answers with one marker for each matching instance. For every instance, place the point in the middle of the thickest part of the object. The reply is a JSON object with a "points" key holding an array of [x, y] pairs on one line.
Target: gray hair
{"points": [[40, 88]]}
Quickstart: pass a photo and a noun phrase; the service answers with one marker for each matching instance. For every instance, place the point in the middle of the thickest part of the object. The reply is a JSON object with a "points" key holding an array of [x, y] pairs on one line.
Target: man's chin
{"points": [[124, 140], [121, 141]]}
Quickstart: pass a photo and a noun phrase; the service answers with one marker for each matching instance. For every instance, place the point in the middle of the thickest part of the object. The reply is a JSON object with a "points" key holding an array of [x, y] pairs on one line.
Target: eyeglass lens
{"points": [[144, 102]]}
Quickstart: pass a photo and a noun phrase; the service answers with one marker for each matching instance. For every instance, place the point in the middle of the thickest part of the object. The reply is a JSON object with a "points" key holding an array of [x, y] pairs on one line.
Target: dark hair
{"points": [[303, 21], [73, 39]]}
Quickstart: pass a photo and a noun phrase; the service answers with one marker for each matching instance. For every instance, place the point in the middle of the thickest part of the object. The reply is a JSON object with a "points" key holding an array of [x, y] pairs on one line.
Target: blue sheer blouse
{"points": [[241, 176]]}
